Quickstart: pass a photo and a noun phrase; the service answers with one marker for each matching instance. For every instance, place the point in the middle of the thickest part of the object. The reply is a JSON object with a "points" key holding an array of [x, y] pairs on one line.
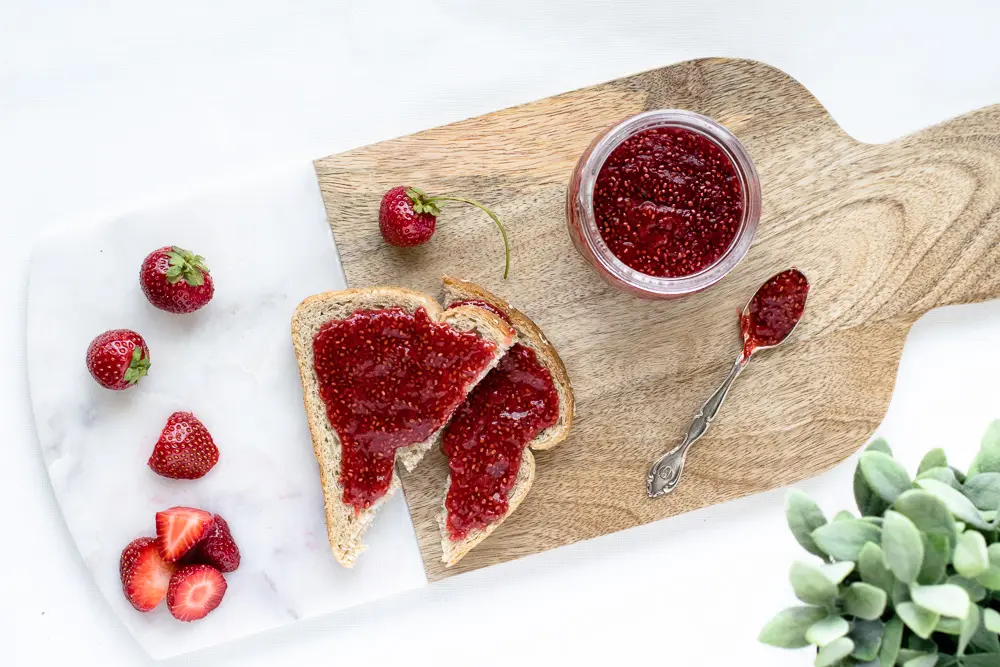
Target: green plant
{"points": [[913, 581]]}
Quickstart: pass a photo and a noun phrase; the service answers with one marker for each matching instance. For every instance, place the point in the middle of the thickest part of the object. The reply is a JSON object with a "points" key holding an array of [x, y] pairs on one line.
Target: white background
{"points": [[110, 106]]}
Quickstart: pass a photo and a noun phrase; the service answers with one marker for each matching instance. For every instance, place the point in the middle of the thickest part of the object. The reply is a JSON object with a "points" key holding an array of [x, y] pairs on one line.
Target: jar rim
{"points": [[734, 150]]}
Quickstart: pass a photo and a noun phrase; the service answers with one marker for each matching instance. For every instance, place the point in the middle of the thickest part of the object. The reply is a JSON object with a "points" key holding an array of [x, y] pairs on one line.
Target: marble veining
{"points": [[232, 364]]}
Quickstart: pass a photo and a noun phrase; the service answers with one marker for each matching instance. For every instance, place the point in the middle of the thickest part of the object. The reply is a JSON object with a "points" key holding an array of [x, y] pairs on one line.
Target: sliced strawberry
{"points": [[179, 529], [218, 549], [145, 575], [185, 449], [195, 590]]}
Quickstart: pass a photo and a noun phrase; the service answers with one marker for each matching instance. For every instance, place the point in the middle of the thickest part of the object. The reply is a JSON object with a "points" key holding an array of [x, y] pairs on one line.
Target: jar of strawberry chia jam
{"points": [[664, 203]]}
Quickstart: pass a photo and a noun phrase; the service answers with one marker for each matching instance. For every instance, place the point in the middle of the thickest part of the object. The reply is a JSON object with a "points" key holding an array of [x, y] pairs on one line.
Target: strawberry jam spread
{"points": [[668, 202], [774, 310], [486, 438], [390, 378]]}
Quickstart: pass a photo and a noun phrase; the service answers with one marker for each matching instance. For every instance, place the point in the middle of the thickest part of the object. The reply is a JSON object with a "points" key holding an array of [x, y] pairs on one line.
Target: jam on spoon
{"points": [[765, 322], [774, 311]]}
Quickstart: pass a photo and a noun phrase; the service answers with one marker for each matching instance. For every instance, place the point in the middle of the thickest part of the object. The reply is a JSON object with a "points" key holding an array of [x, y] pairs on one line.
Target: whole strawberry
{"points": [[118, 359], [185, 449], [217, 548], [176, 280], [408, 216]]}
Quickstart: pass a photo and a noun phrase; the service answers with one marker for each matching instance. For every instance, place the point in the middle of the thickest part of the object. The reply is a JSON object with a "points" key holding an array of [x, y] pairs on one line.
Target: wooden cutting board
{"points": [[885, 233]]}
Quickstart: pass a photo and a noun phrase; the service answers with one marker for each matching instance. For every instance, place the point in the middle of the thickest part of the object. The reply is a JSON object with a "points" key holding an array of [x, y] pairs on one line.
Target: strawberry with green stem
{"points": [[176, 280], [407, 217], [118, 359]]}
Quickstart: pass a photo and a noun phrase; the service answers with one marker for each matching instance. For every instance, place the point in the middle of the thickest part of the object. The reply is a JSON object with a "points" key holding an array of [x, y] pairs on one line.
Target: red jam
{"points": [[668, 202], [486, 438], [774, 310], [389, 379], [485, 305]]}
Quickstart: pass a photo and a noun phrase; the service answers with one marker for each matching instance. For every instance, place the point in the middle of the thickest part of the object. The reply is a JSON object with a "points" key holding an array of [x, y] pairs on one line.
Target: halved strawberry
{"points": [[218, 549], [185, 449], [145, 575], [195, 590], [179, 529]]}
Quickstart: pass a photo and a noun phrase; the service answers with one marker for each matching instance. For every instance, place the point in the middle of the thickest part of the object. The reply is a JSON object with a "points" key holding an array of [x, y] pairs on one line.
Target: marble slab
{"points": [[232, 364]]}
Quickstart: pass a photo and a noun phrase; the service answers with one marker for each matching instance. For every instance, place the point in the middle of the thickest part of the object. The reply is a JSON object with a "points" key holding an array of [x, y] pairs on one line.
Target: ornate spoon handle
{"points": [[665, 472]]}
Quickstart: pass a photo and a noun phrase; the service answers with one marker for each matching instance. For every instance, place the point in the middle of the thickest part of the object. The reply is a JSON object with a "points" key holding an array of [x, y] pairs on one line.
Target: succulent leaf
{"points": [[872, 568], [837, 572], [827, 630], [843, 540], [971, 557], [811, 585], [879, 445], [928, 513], [969, 627], [943, 475], [867, 638], [903, 547], [921, 621], [975, 590], [834, 652], [788, 628], [868, 502], [957, 503], [804, 516], [892, 641], [927, 660], [988, 458], [983, 639], [983, 490], [865, 601], [944, 599], [885, 475], [990, 579], [937, 553], [935, 458], [991, 620]]}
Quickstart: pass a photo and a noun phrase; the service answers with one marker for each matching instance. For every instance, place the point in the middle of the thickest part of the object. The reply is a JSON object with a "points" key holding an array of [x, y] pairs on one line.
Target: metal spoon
{"points": [[665, 473]]}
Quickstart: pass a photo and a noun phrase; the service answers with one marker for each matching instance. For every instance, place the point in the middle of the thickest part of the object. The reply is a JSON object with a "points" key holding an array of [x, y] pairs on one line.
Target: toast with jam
{"points": [[525, 403], [383, 370]]}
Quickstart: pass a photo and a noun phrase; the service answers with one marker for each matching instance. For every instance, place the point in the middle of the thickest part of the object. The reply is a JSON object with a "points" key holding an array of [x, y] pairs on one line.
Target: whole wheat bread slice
{"points": [[345, 526], [529, 335]]}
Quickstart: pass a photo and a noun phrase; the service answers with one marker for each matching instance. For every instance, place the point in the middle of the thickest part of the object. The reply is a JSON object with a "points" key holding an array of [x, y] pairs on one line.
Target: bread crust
{"points": [[345, 526], [529, 335]]}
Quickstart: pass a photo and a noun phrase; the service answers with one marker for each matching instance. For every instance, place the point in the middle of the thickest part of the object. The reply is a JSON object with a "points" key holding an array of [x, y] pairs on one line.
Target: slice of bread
{"points": [[345, 526], [529, 335]]}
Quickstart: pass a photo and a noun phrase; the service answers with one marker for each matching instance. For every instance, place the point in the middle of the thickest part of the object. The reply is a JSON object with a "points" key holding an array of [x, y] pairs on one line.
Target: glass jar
{"points": [[583, 225]]}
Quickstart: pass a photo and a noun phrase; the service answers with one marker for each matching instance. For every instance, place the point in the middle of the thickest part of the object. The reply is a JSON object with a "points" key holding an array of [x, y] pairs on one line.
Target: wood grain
{"points": [[884, 232]]}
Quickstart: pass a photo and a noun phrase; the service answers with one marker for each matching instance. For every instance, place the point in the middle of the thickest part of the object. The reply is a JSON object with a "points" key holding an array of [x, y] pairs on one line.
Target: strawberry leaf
{"points": [[422, 203], [194, 277], [137, 368]]}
